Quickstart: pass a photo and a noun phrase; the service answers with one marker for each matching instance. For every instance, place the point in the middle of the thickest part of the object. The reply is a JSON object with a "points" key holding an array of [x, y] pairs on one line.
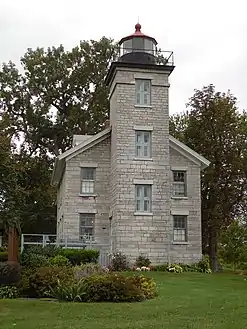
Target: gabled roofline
{"points": [[188, 152], [83, 146]]}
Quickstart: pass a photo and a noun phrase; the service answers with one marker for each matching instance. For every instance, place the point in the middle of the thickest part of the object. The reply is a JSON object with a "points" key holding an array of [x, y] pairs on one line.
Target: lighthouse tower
{"points": [[140, 164]]}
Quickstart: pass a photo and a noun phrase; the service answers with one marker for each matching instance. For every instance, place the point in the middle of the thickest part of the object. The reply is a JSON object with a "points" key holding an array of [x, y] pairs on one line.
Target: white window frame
{"points": [[90, 217], [180, 230], [87, 181], [143, 97], [178, 184], [141, 145], [141, 200]]}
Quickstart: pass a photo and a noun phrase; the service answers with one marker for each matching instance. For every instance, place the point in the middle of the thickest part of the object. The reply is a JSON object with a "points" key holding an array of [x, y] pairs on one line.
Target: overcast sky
{"points": [[209, 38]]}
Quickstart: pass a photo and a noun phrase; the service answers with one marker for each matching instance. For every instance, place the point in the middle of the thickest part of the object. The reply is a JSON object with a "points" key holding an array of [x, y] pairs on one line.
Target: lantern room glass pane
{"points": [[138, 44], [127, 46]]}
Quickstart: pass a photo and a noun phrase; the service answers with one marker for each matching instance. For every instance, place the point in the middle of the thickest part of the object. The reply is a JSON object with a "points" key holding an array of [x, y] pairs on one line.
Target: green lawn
{"points": [[189, 300]]}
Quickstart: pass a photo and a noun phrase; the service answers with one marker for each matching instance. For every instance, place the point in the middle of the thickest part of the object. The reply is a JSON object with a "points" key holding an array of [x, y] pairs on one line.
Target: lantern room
{"points": [[138, 48]]}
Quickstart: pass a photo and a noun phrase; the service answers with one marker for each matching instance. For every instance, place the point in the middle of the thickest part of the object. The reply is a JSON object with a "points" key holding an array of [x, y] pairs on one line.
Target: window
{"points": [[143, 144], [143, 92], [179, 183], [86, 226], [87, 180], [180, 228], [143, 198]]}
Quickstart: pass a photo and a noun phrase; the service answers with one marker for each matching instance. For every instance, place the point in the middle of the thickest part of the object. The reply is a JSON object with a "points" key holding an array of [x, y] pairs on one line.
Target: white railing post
{"points": [[22, 243], [43, 242]]}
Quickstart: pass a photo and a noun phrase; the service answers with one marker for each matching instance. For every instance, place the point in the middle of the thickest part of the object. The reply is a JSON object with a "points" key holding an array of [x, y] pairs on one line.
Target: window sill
{"points": [[143, 159], [179, 197], [143, 106], [180, 242], [143, 213], [87, 195]]}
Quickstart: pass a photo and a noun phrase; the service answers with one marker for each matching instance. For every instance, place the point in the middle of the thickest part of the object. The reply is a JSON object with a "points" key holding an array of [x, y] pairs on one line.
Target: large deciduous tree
{"points": [[55, 94], [215, 128]]}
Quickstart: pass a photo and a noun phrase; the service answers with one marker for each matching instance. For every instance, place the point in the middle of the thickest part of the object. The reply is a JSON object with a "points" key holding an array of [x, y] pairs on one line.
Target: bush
{"points": [[47, 251], [81, 256], [111, 288], [174, 268], [88, 269], [119, 262], [160, 268], [38, 282], [34, 260], [146, 284], [8, 292], [3, 256], [72, 292], [9, 274], [59, 260], [142, 261], [204, 265]]}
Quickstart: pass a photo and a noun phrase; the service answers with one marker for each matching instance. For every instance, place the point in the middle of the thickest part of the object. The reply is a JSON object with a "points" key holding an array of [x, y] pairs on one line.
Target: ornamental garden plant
{"points": [[74, 275]]}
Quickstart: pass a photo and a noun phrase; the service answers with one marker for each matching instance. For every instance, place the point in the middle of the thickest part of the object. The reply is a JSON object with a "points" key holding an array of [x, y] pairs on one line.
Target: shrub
{"points": [[146, 284], [47, 251], [9, 292], [59, 260], [81, 256], [204, 265], [88, 269], [119, 262], [142, 261], [111, 288], [37, 282], [174, 268], [72, 292], [3, 256], [34, 260], [9, 274], [160, 268]]}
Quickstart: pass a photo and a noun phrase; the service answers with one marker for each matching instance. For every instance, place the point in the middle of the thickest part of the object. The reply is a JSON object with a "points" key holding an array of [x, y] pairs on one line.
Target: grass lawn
{"points": [[188, 300]]}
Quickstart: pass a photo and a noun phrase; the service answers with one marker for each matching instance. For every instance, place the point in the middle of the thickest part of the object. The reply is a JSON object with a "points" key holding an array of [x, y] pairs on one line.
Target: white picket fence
{"points": [[66, 242]]}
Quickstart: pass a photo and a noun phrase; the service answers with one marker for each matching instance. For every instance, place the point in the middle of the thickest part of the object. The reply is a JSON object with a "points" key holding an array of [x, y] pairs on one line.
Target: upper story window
{"points": [[143, 144], [143, 198], [179, 183], [180, 228], [86, 226], [87, 180], [143, 92]]}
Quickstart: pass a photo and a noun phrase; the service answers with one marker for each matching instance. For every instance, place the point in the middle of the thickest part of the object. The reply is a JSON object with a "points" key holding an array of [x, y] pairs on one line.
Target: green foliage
{"points": [[81, 256], [233, 245], [59, 260], [73, 291], [111, 288], [9, 274], [175, 268], [142, 261], [68, 83], [202, 266], [8, 292], [47, 251], [215, 128], [88, 269], [147, 285], [3, 256], [34, 260], [38, 282], [119, 262]]}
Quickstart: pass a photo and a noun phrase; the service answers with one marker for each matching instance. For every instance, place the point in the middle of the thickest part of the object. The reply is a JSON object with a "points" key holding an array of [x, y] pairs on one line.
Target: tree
{"points": [[233, 243], [214, 128], [58, 93]]}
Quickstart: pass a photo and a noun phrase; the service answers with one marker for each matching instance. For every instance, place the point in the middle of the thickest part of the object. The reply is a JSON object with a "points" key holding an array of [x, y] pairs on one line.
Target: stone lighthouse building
{"points": [[133, 187]]}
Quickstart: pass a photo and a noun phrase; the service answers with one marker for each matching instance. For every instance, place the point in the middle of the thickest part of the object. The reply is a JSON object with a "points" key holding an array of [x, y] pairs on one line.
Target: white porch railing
{"points": [[83, 242]]}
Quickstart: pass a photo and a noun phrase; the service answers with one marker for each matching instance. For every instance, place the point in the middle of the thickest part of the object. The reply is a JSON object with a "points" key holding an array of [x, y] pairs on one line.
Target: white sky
{"points": [[209, 38]]}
